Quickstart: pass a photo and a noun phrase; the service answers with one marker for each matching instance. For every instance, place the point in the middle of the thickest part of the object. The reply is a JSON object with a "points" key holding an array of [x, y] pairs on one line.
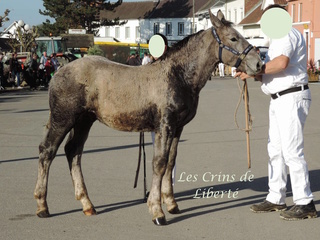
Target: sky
{"points": [[26, 10]]}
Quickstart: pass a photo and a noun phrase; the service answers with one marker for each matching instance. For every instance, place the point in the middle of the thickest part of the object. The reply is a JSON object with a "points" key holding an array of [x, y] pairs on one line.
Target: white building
{"points": [[233, 10], [174, 19]]}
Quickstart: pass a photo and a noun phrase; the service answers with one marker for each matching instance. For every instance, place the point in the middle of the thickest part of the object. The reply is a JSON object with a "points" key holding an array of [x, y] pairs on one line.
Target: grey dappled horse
{"points": [[160, 97]]}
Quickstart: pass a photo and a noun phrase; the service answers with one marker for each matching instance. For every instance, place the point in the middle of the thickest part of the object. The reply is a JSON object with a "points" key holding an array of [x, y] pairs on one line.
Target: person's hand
{"points": [[243, 75]]}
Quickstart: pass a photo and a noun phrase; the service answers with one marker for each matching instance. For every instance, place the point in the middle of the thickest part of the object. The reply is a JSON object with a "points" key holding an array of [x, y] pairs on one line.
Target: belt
{"points": [[290, 90]]}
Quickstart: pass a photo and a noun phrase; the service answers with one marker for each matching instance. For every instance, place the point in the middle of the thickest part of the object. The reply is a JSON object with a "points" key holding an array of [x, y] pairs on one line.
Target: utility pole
{"points": [[193, 30]]}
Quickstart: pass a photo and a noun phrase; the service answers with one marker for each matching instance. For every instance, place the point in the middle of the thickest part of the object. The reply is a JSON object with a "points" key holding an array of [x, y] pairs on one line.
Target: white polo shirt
{"points": [[294, 47]]}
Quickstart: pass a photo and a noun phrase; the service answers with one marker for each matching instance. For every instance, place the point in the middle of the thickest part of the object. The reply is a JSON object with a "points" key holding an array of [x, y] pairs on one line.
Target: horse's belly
{"points": [[131, 122]]}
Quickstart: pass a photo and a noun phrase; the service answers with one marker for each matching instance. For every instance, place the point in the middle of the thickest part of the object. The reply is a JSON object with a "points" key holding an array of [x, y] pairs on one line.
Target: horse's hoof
{"points": [[43, 214], [175, 210], [160, 221], [90, 212]]}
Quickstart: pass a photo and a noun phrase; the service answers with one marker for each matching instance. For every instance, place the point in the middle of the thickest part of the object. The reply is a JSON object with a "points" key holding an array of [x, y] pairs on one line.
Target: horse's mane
{"points": [[177, 46], [226, 22]]}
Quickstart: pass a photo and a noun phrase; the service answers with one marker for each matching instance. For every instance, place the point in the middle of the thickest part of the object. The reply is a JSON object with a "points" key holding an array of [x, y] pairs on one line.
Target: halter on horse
{"points": [[235, 52]]}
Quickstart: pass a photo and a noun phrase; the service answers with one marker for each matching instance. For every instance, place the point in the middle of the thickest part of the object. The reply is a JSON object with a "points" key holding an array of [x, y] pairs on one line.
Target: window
{"points": [[107, 31], [137, 32], [168, 29], [180, 29], [293, 12], [241, 14], [229, 15], [156, 28], [117, 32], [127, 33], [300, 13]]}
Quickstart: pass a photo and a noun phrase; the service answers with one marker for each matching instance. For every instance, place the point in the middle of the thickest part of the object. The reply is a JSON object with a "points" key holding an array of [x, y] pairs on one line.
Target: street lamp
{"points": [[20, 32], [24, 26]]}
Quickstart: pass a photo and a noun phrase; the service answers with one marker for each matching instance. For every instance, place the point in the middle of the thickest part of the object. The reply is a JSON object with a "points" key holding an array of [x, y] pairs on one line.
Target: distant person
{"points": [[133, 61], [146, 60], [33, 71], [15, 69], [233, 71], [221, 70], [49, 69], [55, 61], [1, 72]]}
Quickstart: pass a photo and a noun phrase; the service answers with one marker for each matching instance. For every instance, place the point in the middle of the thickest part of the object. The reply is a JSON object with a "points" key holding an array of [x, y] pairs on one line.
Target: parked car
{"points": [[263, 53]]}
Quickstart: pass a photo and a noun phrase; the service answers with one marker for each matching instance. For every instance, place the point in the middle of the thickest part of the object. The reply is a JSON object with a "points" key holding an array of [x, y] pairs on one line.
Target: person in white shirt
{"points": [[146, 60], [284, 77]]}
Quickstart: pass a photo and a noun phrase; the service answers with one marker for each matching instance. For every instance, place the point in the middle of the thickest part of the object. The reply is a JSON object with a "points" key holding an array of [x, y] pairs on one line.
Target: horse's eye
{"points": [[234, 39]]}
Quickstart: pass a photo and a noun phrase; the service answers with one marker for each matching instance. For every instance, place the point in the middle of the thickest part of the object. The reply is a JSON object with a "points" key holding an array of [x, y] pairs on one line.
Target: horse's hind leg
{"points": [[47, 151], [74, 148], [167, 188]]}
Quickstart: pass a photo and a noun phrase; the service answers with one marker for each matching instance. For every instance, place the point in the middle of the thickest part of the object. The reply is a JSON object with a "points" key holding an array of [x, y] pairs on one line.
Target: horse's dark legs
{"points": [[167, 188], [162, 146], [73, 149], [47, 152]]}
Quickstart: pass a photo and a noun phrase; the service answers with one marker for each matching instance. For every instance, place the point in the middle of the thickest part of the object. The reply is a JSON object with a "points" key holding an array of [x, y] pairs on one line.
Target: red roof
{"points": [[253, 17], [255, 7]]}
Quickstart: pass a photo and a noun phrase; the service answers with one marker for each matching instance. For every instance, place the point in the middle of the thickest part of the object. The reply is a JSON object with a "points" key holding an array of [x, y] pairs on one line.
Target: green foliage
{"points": [[95, 50], [70, 14]]}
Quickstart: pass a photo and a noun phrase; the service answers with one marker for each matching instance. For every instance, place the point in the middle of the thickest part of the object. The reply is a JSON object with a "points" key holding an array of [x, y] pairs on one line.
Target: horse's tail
{"points": [[48, 125]]}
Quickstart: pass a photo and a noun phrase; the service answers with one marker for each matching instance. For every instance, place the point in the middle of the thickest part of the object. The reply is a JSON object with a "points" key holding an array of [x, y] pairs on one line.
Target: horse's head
{"points": [[233, 49]]}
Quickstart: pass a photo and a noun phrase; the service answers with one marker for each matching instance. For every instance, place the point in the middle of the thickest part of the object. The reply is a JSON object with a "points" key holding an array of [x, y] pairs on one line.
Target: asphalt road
{"points": [[214, 187]]}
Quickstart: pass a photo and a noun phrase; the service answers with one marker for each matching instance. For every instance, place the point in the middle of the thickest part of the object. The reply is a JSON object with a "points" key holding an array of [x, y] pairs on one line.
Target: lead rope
{"points": [[244, 94]]}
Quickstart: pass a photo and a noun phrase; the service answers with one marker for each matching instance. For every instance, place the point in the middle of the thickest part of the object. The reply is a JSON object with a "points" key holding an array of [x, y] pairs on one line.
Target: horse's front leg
{"points": [[167, 187], [162, 146]]}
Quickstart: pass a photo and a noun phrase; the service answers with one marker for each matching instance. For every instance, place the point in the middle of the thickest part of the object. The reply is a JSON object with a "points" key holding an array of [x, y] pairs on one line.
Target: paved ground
{"points": [[211, 145]]}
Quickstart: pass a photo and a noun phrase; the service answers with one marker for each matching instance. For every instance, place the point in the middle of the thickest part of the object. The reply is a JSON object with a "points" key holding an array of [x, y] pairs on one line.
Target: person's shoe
{"points": [[19, 87], [267, 206], [299, 212]]}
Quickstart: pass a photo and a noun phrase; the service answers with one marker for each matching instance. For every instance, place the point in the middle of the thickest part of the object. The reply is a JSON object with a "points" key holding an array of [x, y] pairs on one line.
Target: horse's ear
{"points": [[214, 20], [220, 16]]}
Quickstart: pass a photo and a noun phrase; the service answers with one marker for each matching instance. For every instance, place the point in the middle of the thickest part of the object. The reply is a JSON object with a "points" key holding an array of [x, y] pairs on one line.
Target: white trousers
{"points": [[221, 69], [233, 71], [287, 116]]}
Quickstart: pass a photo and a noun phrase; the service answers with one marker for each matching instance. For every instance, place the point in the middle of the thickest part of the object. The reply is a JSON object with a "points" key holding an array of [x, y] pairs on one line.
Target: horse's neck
{"points": [[196, 61]]}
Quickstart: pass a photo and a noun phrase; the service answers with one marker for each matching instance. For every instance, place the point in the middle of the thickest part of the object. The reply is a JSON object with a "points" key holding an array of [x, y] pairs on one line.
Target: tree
{"points": [[5, 17], [95, 50], [23, 38], [70, 14]]}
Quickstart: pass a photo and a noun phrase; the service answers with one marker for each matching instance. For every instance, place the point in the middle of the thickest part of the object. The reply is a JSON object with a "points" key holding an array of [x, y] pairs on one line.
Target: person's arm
{"points": [[276, 65]]}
